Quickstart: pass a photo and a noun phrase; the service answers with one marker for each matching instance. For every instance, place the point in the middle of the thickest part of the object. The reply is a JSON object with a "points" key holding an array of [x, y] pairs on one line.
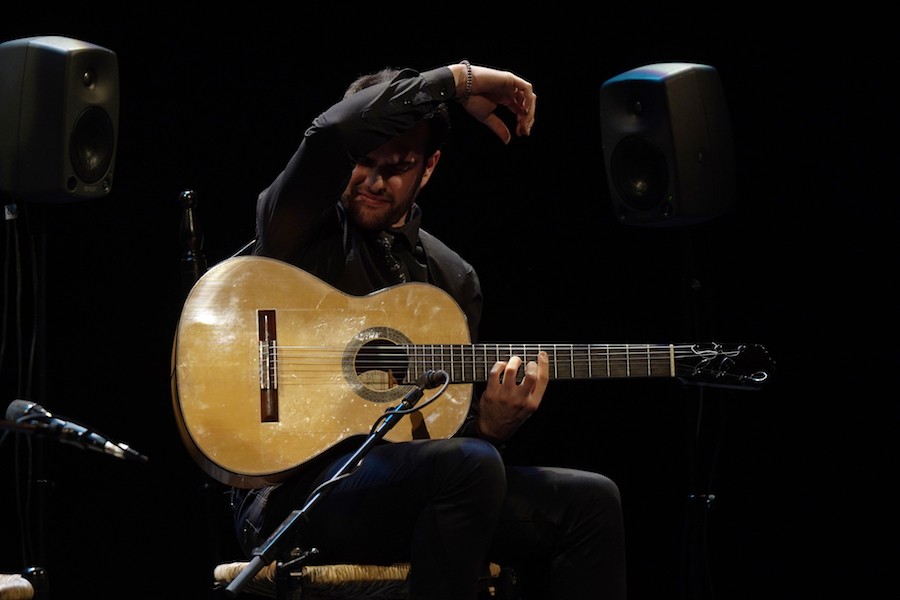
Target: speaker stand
{"points": [[697, 581]]}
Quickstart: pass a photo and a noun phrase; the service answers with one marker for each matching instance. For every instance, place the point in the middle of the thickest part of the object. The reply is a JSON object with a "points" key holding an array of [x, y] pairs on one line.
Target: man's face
{"points": [[384, 185]]}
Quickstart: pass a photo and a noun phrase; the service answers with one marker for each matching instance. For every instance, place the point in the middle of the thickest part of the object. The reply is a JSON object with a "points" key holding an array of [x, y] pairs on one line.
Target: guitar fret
{"points": [[581, 367], [452, 371], [422, 362], [572, 361], [627, 360], [420, 352], [672, 360], [524, 359], [559, 358], [555, 359], [433, 354], [482, 362], [590, 362], [607, 360], [411, 353], [418, 362], [475, 359], [423, 358], [616, 367]]}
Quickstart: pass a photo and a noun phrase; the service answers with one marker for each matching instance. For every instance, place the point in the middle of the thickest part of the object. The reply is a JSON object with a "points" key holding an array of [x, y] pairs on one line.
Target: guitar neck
{"points": [[471, 363]]}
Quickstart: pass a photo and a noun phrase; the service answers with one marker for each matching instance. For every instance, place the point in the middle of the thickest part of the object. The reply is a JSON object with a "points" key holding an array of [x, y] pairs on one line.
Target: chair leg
{"points": [[287, 583]]}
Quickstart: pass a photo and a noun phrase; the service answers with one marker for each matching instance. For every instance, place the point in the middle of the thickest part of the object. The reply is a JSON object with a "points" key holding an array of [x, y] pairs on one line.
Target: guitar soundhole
{"points": [[381, 366], [376, 363]]}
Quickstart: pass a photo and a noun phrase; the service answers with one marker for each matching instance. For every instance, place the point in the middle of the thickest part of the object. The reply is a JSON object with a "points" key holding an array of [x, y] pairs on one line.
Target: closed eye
{"points": [[387, 169]]}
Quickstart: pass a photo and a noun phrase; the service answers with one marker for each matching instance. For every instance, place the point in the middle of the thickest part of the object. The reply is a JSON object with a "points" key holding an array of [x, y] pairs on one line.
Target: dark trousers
{"points": [[450, 506]]}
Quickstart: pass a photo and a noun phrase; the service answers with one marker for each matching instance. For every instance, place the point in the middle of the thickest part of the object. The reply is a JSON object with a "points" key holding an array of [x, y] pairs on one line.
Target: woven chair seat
{"points": [[329, 582], [15, 587]]}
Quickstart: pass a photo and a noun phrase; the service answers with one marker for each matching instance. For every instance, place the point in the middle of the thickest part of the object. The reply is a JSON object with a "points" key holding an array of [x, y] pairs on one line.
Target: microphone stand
{"points": [[264, 554]]}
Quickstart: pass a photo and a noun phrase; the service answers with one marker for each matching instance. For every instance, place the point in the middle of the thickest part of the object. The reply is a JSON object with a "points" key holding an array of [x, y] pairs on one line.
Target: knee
{"points": [[600, 501], [477, 457], [593, 496], [476, 466], [605, 490], [601, 491], [481, 453]]}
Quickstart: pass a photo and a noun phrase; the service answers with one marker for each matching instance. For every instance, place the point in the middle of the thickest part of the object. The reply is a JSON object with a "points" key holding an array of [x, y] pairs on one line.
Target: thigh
{"points": [[370, 516], [546, 508], [562, 531]]}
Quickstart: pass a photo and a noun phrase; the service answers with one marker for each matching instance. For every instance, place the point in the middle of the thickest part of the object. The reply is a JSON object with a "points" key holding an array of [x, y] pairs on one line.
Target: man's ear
{"points": [[430, 164]]}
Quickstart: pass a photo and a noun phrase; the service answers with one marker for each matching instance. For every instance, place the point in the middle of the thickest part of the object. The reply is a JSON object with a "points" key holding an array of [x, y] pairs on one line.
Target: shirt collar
{"points": [[410, 229]]}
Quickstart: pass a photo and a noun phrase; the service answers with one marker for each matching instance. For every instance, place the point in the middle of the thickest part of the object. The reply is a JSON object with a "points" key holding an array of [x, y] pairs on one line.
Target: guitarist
{"points": [[344, 209]]}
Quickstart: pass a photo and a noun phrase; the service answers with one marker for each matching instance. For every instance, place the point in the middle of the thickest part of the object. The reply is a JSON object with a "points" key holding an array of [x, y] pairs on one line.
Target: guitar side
{"points": [[253, 412]]}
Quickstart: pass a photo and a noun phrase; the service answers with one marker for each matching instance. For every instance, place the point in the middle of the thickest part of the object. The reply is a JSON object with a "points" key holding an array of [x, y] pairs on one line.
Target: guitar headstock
{"points": [[738, 366]]}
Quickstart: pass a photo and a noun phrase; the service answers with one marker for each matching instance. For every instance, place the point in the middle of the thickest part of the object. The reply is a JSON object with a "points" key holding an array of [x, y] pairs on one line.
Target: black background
{"points": [[806, 264]]}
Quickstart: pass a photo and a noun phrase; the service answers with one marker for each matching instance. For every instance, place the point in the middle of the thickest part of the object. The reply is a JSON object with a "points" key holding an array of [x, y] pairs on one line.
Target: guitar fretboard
{"points": [[470, 363]]}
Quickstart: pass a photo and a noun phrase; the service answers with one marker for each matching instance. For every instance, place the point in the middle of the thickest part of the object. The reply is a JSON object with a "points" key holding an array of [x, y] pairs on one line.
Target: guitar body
{"points": [[265, 374]]}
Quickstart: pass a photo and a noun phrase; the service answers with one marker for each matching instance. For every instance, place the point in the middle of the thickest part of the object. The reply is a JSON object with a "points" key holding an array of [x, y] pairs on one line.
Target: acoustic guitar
{"points": [[272, 366]]}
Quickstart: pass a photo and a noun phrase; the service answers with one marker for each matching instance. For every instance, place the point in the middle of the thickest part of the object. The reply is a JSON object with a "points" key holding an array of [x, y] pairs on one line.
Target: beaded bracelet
{"points": [[468, 91]]}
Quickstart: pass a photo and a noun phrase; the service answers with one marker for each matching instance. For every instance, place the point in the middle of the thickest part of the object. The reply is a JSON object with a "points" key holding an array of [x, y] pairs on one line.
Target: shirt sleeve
{"points": [[290, 209]]}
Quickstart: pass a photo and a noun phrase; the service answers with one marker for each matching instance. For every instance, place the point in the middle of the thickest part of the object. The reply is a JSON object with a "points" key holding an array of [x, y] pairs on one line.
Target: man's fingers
{"points": [[496, 124]]}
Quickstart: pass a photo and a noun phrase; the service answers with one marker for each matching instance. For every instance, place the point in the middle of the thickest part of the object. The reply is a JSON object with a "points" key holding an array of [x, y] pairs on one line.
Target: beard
{"points": [[375, 218]]}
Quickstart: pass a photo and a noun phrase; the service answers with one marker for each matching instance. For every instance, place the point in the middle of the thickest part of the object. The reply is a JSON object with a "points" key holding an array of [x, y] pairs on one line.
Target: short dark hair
{"points": [[438, 119]]}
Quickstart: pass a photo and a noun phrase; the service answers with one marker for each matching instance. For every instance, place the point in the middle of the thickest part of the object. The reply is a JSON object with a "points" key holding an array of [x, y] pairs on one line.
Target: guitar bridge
{"points": [[268, 366]]}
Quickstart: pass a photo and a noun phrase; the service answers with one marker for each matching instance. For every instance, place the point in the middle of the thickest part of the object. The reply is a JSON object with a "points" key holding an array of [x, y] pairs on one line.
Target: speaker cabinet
{"points": [[667, 145], [59, 116]]}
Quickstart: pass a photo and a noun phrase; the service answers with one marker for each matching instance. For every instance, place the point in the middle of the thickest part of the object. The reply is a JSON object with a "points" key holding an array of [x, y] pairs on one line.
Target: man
{"points": [[344, 209]]}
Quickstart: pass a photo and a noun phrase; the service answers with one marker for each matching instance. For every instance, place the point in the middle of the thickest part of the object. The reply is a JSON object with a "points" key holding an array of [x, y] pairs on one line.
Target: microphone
{"points": [[68, 432], [428, 380], [432, 379]]}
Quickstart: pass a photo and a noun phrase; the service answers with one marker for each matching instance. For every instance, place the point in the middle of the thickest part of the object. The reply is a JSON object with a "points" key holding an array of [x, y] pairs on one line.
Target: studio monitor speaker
{"points": [[59, 115], [667, 145]]}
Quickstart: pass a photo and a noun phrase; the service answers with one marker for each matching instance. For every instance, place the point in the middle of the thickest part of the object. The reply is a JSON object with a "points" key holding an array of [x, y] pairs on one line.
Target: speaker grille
{"points": [[92, 145], [640, 174]]}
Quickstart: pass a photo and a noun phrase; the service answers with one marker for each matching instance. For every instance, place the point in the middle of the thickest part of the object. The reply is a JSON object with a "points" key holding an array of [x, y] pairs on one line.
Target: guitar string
{"points": [[597, 352], [578, 360]]}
